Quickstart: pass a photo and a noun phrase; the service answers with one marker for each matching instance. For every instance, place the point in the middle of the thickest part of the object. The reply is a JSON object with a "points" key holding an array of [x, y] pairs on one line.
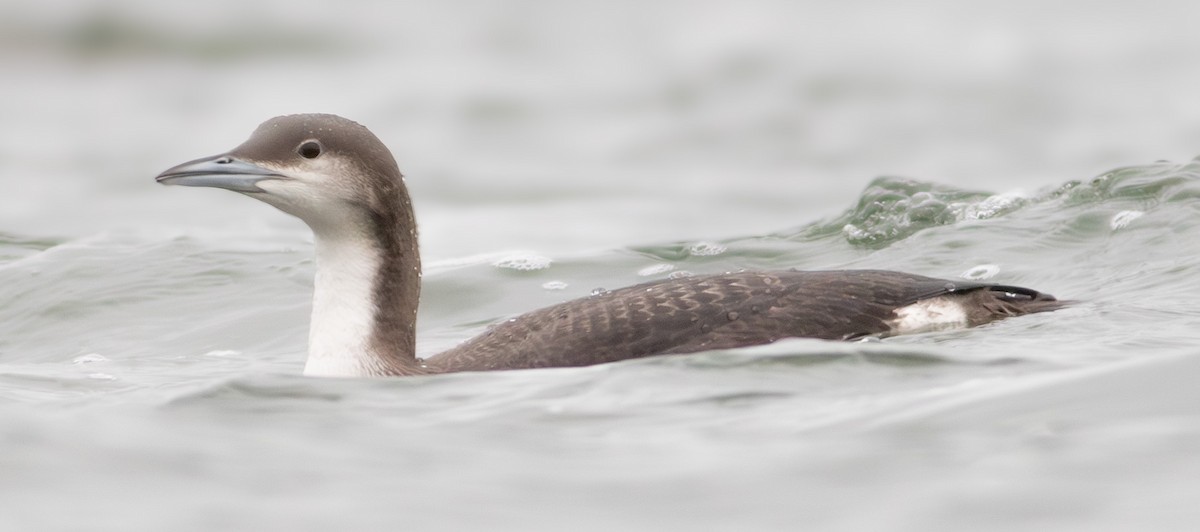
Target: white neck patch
{"points": [[343, 315]]}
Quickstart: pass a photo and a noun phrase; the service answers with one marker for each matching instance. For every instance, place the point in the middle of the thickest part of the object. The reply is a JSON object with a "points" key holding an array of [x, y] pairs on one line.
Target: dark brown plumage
{"points": [[723, 311]]}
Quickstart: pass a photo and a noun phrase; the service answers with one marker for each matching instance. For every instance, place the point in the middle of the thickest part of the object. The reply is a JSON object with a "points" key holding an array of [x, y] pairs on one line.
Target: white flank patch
{"points": [[934, 314], [343, 309]]}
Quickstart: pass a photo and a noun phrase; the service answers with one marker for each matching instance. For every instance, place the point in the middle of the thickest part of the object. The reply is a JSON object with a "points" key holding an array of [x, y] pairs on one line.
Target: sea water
{"points": [[152, 338]]}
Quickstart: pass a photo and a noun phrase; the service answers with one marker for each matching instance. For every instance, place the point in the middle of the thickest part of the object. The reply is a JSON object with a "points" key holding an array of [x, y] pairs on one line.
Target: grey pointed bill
{"points": [[219, 171]]}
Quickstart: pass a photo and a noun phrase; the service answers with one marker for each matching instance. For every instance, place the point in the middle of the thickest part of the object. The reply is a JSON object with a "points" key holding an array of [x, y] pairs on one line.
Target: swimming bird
{"points": [[341, 180]]}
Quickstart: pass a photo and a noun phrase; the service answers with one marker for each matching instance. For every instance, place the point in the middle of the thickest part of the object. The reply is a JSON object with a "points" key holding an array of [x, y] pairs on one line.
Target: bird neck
{"points": [[365, 298]]}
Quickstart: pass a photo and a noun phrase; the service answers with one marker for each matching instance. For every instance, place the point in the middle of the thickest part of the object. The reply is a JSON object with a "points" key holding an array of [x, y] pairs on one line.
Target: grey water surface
{"points": [[151, 338]]}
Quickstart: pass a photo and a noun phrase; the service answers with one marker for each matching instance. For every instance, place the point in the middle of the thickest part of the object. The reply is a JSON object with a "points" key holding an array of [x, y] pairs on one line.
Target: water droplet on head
{"points": [[599, 291]]}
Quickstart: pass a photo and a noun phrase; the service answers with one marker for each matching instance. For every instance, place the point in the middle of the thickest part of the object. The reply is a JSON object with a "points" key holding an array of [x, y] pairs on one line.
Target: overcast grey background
{"points": [[691, 119]]}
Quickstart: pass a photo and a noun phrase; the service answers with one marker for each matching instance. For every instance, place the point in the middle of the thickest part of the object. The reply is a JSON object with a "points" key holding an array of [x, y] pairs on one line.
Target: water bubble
{"points": [[981, 272], [599, 291], [680, 274], [733, 316]]}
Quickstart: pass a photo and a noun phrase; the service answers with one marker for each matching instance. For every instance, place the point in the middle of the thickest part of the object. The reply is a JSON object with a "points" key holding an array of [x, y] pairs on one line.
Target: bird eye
{"points": [[309, 149]]}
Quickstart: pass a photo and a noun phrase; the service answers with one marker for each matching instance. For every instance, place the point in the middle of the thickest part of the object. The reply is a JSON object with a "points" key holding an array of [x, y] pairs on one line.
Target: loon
{"points": [[341, 180]]}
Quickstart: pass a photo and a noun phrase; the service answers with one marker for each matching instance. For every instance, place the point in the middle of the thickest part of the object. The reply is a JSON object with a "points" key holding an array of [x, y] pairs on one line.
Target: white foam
{"points": [[992, 206], [523, 262], [89, 358], [655, 269], [706, 249], [1123, 219]]}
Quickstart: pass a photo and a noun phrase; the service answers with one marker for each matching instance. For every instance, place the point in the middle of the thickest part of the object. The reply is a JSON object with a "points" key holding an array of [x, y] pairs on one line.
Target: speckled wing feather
{"points": [[720, 311]]}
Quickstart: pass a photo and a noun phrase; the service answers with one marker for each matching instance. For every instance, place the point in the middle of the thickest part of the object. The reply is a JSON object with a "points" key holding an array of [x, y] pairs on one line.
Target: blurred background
{"points": [[621, 122]]}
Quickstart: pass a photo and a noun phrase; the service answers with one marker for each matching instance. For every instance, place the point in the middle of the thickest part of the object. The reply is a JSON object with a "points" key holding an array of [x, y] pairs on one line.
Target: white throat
{"points": [[344, 308]]}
